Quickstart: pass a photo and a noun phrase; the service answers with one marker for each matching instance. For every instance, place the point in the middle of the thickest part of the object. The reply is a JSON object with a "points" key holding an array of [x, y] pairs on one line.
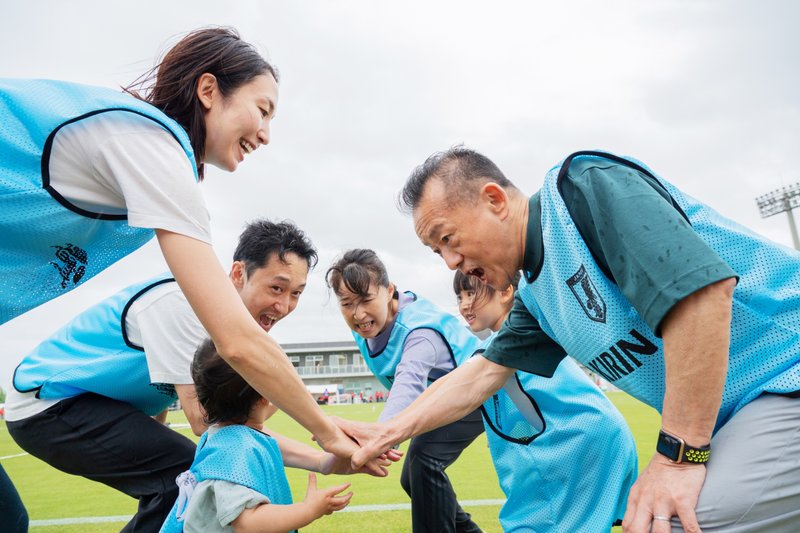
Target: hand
{"points": [[325, 501], [331, 464], [373, 438], [343, 446], [664, 489]]}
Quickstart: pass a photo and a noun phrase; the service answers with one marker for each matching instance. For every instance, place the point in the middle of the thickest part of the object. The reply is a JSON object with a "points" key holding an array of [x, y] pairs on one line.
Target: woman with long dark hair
{"points": [[88, 175]]}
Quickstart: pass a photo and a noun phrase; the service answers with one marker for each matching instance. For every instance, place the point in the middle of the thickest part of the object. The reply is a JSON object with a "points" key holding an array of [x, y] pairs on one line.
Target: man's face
{"points": [[472, 236], [272, 291]]}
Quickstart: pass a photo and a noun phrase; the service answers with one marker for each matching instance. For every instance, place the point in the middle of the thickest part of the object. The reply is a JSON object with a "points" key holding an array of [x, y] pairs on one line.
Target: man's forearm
{"points": [[696, 335], [450, 398]]}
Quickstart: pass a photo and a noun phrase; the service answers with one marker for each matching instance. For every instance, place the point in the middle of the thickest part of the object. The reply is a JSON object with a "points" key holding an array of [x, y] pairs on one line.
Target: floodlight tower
{"points": [[778, 201]]}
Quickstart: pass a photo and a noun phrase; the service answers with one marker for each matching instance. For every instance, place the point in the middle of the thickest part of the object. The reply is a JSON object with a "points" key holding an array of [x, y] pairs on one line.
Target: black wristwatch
{"points": [[677, 451]]}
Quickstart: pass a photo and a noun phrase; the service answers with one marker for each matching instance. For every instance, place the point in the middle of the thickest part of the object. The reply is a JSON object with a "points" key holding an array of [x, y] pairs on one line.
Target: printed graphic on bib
{"points": [[586, 293], [70, 262]]}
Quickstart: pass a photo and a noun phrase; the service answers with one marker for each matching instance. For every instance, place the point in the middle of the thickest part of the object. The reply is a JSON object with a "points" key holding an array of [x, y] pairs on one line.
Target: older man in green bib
{"points": [[689, 312]]}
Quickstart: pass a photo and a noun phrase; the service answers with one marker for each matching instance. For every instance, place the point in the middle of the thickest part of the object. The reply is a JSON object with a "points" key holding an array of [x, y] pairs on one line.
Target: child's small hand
{"points": [[326, 501]]}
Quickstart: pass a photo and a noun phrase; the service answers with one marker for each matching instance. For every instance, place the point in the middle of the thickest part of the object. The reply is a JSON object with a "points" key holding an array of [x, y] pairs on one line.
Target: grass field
{"points": [[50, 494]]}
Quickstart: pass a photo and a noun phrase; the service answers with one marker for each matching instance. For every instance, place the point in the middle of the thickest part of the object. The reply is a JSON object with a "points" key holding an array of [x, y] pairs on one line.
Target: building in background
{"points": [[334, 370]]}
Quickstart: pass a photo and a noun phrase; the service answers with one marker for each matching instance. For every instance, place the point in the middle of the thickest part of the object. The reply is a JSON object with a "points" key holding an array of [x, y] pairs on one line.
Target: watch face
{"points": [[668, 446]]}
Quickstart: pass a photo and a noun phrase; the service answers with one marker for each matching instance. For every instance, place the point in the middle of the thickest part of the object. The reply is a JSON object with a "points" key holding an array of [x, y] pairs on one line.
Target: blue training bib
{"points": [[49, 246]]}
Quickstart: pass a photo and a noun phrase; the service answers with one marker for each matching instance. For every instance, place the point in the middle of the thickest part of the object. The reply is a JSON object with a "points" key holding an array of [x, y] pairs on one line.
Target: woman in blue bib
{"points": [[408, 342], [563, 454], [89, 174]]}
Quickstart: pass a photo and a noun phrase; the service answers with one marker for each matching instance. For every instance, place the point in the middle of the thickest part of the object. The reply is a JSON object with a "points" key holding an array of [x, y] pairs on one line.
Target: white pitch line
{"points": [[407, 506], [80, 520], [15, 455], [351, 509]]}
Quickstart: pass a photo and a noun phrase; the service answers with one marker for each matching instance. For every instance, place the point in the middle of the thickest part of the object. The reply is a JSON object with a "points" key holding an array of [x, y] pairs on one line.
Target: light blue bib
{"points": [[92, 353], [241, 455], [49, 246], [563, 454], [587, 314]]}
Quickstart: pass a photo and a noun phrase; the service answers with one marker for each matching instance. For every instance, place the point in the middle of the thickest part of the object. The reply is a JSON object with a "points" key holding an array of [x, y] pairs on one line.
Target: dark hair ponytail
{"points": [[357, 270], [171, 85]]}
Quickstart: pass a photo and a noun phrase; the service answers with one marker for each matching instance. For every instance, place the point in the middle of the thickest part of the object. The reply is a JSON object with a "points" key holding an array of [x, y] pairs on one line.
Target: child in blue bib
{"points": [[237, 480], [563, 454]]}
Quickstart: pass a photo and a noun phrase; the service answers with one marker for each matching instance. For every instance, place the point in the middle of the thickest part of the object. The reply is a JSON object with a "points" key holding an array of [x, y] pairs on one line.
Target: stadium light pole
{"points": [[778, 201]]}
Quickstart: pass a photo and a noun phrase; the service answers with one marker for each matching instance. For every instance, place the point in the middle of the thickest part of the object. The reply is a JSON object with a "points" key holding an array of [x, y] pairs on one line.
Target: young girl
{"points": [[408, 342], [237, 481], [578, 454], [90, 174]]}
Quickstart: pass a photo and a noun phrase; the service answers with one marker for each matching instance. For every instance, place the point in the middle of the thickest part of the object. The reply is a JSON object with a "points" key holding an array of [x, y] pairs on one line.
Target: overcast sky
{"points": [[706, 93]]}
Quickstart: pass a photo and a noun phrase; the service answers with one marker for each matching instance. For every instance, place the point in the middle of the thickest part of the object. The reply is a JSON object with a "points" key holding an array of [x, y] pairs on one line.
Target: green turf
{"points": [[50, 494]]}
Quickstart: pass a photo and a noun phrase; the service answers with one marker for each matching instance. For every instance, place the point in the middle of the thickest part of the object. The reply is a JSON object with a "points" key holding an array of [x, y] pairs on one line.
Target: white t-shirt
{"points": [[160, 321], [118, 162]]}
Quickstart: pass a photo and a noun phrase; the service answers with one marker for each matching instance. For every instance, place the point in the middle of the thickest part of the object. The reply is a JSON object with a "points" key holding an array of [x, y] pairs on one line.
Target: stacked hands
{"points": [[357, 448], [345, 457]]}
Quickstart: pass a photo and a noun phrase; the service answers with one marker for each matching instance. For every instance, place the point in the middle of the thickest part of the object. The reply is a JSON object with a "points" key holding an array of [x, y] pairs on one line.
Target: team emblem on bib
{"points": [[165, 389], [71, 265], [586, 293]]}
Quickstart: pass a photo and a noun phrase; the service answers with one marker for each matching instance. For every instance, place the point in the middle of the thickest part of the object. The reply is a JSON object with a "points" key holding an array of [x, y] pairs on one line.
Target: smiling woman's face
{"points": [[238, 123]]}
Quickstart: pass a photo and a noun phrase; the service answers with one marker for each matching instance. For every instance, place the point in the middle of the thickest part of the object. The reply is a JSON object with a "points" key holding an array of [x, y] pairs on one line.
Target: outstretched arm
{"points": [[297, 454], [420, 351], [448, 399], [696, 336]]}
